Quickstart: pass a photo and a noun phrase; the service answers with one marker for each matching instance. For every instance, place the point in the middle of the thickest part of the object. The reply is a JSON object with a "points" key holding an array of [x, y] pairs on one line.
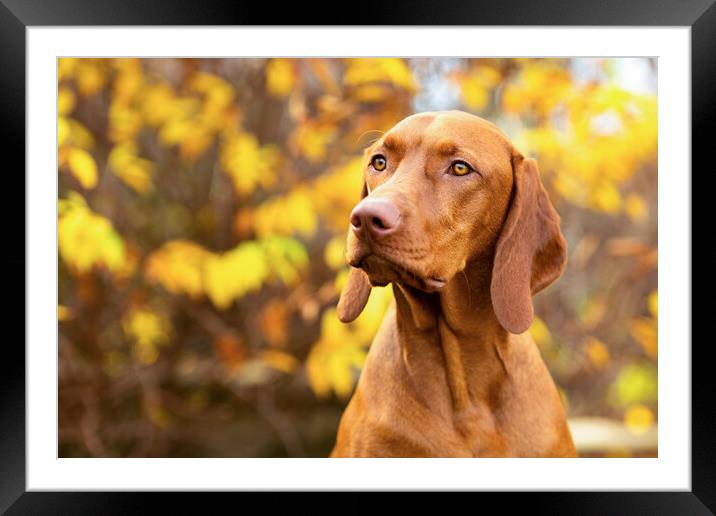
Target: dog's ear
{"points": [[531, 251], [355, 294]]}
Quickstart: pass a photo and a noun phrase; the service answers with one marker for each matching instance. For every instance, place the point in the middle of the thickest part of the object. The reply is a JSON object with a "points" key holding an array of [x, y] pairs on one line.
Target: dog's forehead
{"points": [[462, 128]]}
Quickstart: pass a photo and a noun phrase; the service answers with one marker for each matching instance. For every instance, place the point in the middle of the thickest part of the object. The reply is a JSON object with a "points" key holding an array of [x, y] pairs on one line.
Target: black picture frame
{"points": [[17, 15]]}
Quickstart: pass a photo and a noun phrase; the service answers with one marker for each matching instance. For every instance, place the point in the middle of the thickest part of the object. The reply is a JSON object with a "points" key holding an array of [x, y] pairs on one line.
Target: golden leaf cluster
{"points": [[86, 239], [336, 358], [183, 267], [590, 138]]}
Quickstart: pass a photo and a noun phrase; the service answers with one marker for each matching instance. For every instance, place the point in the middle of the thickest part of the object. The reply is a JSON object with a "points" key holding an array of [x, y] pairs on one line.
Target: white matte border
{"points": [[671, 470]]}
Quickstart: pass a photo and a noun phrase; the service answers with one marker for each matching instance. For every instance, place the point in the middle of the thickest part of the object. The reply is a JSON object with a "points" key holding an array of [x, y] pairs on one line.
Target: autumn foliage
{"points": [[202, 213]]}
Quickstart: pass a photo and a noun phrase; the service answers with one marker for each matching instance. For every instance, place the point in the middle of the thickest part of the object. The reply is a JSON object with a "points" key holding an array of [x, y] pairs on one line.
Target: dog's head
{"points": [[444, 189]]}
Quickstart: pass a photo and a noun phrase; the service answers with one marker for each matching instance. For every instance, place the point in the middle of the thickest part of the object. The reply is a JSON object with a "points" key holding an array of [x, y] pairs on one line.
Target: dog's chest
{"points": [[407, 405]]}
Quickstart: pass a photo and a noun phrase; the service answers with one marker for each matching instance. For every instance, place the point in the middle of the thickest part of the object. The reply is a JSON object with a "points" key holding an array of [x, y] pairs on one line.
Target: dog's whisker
{"points": [[380, 133]]}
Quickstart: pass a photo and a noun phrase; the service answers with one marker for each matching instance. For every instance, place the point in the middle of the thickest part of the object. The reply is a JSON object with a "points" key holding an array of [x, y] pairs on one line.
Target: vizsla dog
{"points": [[458, 221]]}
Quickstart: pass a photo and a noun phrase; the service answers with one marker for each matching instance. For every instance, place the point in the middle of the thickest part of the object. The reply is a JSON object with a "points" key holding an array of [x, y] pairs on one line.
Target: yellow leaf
{"points": [[653, 302], [280, 360], [316, 368], [157, 103], [270, 217], [646, 334], [247, 163], [178, 266], [125, 122], [370, 70], [78, 135], [341, 374], [477, 85], [129, 80], [63, 131], [90, 75], [130, 168], [64, 313], [83, 167], [607, 198], [590, 137], [331, 367], [333, 361], [539, 86], [236, 272], [334, 193], [371, 93], [189, 122], [65, 101], [638, 419], [597, 352], [183, 267], [334, 253], [635, 207], [540, 333], [366, 325], [85, 239], [635, 383], [285, 257], [312, 140], [218, 94], [475, 97], [66, 67], [147, 327], [280, 77], [138, 176]]}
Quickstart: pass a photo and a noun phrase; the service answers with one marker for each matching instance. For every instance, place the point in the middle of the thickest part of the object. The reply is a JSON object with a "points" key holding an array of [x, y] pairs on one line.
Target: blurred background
{"points": [[203, 209]]}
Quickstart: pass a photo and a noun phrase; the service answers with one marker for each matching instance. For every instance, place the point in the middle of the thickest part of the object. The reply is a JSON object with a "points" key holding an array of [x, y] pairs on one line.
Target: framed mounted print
{"points": [[421, 254]]}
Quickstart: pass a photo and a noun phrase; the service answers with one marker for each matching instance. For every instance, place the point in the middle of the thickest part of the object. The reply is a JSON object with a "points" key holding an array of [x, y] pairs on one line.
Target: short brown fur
{"points": [[452, 371]]}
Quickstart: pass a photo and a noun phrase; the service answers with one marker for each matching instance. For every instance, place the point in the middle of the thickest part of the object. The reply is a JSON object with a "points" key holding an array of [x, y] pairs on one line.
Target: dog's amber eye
{"points": [[460, 168], [379, 163]]}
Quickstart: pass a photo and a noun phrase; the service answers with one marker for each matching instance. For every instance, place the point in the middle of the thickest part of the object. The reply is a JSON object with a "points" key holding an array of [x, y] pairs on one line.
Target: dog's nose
{"points": [[379, 217]]}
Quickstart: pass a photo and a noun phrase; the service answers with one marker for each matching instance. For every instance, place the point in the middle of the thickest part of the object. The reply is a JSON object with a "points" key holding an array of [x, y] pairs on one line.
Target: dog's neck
{"points": [[461, 319]]}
